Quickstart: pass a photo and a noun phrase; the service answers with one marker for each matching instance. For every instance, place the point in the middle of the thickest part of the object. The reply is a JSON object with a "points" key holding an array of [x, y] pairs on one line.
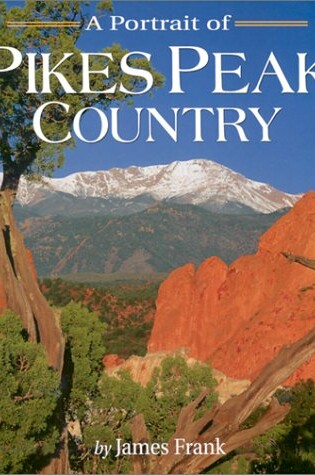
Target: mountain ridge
{"points": [[198, 182], [155, 240]]}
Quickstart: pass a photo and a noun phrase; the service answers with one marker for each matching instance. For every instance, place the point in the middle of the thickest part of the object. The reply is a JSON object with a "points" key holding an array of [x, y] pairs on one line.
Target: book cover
{"points": [[157, 278]]}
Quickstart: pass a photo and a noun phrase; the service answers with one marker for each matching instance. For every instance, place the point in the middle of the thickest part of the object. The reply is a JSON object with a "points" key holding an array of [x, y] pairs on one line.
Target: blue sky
{"points": [[288, 162]]}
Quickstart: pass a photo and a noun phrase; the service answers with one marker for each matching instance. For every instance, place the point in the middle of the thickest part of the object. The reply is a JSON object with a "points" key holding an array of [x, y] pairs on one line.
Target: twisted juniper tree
{"points": [[21, 150]]}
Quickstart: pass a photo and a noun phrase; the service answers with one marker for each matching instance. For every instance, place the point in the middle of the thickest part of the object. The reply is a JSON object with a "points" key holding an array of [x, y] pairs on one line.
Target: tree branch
{"points": [[224, 422], [140, 434], [304, 261]]}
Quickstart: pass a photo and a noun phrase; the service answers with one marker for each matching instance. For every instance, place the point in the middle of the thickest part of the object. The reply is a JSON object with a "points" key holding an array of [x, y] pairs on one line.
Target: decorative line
{"points": [[210, 1], [271, 23], [40, 24]]}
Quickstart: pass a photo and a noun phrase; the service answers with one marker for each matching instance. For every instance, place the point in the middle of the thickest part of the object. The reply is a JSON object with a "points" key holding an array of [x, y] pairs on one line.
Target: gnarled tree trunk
{"points": [[20, 291]]}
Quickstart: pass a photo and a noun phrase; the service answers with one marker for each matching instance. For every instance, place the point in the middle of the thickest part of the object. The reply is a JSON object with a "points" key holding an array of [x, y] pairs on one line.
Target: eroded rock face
{"points": [[184, 302], [30, 259], [3, 298], [239, 317]]}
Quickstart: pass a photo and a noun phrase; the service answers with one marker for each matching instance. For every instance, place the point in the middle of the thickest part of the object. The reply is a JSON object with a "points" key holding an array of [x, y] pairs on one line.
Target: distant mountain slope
{"points": [[156, 240], [123, 191]]}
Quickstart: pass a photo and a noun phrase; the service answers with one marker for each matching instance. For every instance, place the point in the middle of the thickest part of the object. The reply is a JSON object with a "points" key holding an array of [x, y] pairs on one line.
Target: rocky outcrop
{"points": [[240, 316], [141, 370]]}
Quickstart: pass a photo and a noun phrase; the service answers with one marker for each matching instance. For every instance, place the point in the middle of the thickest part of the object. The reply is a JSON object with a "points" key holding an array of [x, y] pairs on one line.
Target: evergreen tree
{"points": [[289, 447], [171, 387], [85, 348], [28, 398]]}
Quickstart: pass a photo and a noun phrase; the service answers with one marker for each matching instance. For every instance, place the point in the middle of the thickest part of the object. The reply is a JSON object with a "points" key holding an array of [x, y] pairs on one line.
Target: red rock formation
{"points": [[239, 317], [30, 259], [112, 361], [3, 298]]}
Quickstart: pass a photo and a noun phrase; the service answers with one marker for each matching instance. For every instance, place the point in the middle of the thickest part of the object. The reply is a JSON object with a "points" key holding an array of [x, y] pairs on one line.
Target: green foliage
{"points": [[232, 463], [254, 417], [171, 387], [108, 419], [290, 446], [21, 151], [56, 292], [28, 398], [60, 292], [129, 340], [127, 333], [84, 351]]}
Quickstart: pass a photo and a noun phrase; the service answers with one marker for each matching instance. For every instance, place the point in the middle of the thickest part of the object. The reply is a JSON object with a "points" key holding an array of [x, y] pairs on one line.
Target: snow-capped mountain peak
{"points": [[195, 181]]}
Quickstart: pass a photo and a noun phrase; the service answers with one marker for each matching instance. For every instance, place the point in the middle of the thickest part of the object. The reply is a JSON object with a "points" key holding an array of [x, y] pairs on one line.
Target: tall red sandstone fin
{"points": [[174, 325], [174, 302]]}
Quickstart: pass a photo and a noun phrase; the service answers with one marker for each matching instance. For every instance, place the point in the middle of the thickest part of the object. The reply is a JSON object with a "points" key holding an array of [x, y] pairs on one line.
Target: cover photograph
{"points": [[157, 244]]}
